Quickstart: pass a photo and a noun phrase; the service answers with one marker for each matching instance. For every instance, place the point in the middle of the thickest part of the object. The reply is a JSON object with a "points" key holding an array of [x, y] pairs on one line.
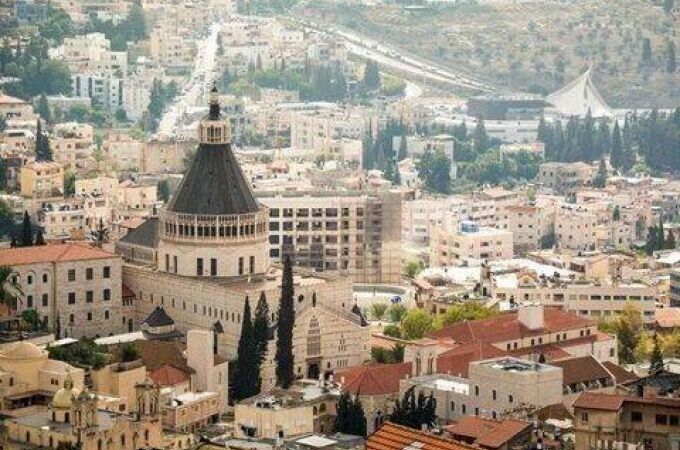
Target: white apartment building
{"points": [[92, 53], [310, 129], [104, 90], [528, 224], [454, 242], [72, 143], [355, 234], [575, 227], [170, 48]]}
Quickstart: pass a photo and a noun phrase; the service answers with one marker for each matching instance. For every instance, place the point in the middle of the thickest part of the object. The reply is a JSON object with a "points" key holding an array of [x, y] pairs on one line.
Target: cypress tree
{"points": [[646, 51], [39, 239], [668, 6], [403, 152], [670, 240], [656, 363], [617, 214], [600, 179], [43, 152], [616, 155], [660, 234], [44, 109], [671, 64], [26, 231], [480, 140], [246, 379], [350, 417], [285, 373], [261, 326]]}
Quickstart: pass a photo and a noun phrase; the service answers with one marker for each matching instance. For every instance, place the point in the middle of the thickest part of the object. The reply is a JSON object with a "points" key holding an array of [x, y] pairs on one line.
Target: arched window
{"points": [[146, 435], [122, 440], [67, 417], [99, 444], [28, 437]]}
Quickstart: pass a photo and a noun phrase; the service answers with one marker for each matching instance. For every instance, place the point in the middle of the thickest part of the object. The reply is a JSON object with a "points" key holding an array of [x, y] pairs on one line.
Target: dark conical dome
{"points": [[214, 183]]}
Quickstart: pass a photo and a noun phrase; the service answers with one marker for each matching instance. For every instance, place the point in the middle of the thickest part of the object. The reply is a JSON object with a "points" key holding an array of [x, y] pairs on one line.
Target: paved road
{"points": [[392, 57], [200, 83]]}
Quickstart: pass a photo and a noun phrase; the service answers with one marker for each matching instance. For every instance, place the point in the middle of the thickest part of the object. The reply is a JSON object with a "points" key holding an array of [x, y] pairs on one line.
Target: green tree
{"points": [[39, 238], [44, 109], [628, 328], [616, 155], [129, 352], [403, 150], [480, 140], [371, 80], [415, 412], [350, 417], [656, 363], [668, 6], [164, 190], [397, 312], [43, 151], [434, 169], [671, 64], [461, 312], [670, 240], [285, 373], [69, 183], [600, 179], [246, 377], [261, 326], [416, 323], [3, 123], [392, 331], [26, 231], [412, 268], [646, 51], [378, 310], [616, 216]]}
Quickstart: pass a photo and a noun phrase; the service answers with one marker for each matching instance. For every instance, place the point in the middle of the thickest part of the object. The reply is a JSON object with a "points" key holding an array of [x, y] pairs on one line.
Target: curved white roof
{"points": [[579, 96]]}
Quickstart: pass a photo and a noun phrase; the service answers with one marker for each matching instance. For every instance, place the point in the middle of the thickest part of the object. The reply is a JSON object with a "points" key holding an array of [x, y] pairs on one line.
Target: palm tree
{"points": [[10, 289]]}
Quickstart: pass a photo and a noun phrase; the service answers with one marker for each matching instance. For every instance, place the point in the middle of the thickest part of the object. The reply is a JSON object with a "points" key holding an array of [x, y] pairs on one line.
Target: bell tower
{"points": [[148, 399]]}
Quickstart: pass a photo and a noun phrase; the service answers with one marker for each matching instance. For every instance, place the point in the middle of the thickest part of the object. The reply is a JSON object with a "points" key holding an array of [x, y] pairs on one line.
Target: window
{"points": [[240, 265], [174, 263], [71, 274], [661, 419], [199, 267], [636, 416], [477, 390], [44, 278], [213, 267], [107, 271], [510, 399], [463, 408], [476, 411], [71, 298], [89, 273], [252, 264], [167, 269], [673, 421], [29, 301], [493, 394], [89, 296], [584, 417], [453, 406], [107, 294], [89, 316], [45, 299], [106, 314], [29, 279]]}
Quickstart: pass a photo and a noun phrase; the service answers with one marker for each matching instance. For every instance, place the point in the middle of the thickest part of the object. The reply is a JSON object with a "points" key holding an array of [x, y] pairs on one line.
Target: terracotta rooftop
{"points": [[457, 360], [621, 375], [51, 253], [168, 375], [488, 433], [614, 402], [397, 437], [9, 100], [507, 327], [374, 379], [581, 369]]}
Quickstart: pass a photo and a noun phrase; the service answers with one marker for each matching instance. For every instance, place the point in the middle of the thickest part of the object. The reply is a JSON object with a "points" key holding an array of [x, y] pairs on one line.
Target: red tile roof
{"points": [[168, 375], [507, 327], [127, 293], [603, 402], [51, 253], [457, 360], [488, 433], [374, 379], [581, 369], [397, 437], [620, 374]]}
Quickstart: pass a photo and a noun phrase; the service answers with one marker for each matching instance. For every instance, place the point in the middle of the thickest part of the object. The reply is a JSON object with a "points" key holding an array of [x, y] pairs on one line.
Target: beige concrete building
{"points": [[28, 377], [311, 129], [42, 180], [595, 299], [74, 288], [454, 242], [72, 144], [575, 227], [74, 418], [15, 110], [494, 388], [358, 235], [528, 224], [565, 178]]}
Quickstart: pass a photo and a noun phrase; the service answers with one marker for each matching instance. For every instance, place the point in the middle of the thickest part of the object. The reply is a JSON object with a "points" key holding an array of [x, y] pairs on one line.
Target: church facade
{"points": [[208, 251]]}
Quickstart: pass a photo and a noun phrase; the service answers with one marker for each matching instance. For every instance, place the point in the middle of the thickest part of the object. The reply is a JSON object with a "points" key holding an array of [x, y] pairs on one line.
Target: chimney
{"points": [[531, 316]]}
